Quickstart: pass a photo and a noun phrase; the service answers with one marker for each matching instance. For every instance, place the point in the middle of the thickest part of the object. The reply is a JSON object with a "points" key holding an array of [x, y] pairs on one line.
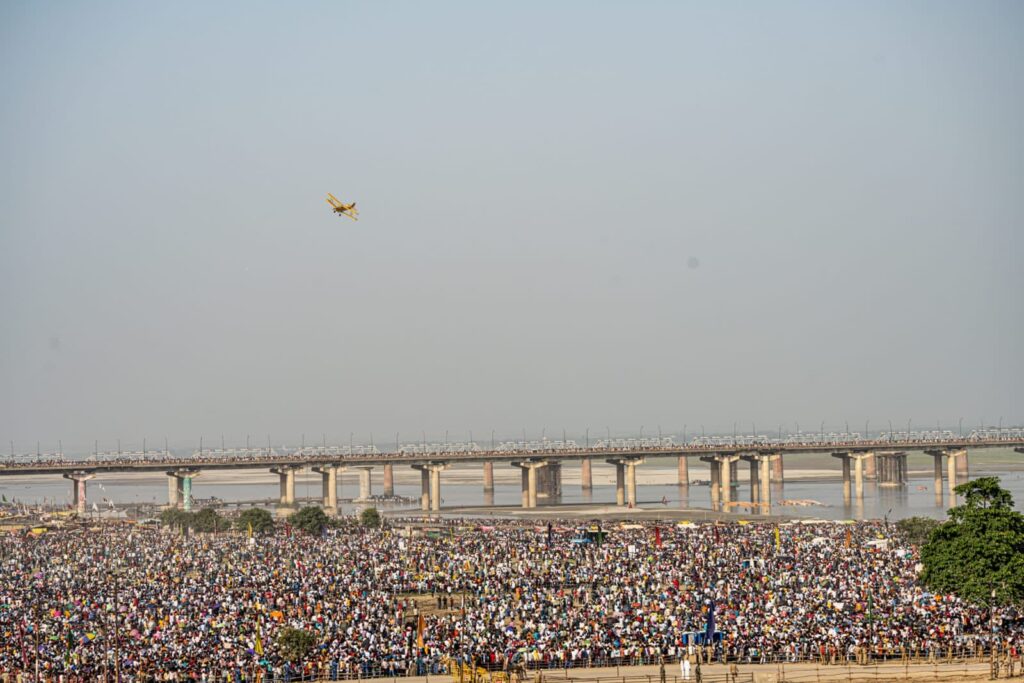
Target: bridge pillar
{"points": [[173, 493], [186, 494], [963, 468], [951, 477], [424, 486], [765, 499], [554, 479], [937, 475], [531, 485], [726, 474], [329, 485], [716, 482], [760, 480], [859, 459], [389, 479], [543, 479], [847, 484], [179, 488], [549, 480], [435, 469], [722, 472], [489, 476], [684, 471], [529, 468], [286, 477], [78, 490], [755, 484], [778, 469], [902, 465], [435, 489], [631, 464], [891, 468], [953, 465], [365, 483], [856, 460], [871, 467], [620, 481], [625, 479], [844, 459], [586, 474]]}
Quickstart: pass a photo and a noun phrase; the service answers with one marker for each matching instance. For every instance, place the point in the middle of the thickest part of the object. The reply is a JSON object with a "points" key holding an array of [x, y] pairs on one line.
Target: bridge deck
{"points": [[301, 459]]}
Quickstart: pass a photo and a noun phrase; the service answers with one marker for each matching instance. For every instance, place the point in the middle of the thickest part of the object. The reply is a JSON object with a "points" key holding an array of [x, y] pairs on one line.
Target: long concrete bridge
{"points": [[540, 464]]}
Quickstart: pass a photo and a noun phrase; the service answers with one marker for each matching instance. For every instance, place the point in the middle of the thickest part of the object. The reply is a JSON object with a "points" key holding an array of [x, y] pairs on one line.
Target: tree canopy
{"points": [[978, 553], [294, 644], [206, 519], [261, 520], [370, 517], [917, 529], [310, 519]]}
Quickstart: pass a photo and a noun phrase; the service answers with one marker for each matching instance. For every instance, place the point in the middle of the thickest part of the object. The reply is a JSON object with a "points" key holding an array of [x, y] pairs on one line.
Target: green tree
{"points": [[261, 520], [917, 529], [978, 553], [294, 644], [175, 518], [310, 519], [207, 519], [370, 517]]}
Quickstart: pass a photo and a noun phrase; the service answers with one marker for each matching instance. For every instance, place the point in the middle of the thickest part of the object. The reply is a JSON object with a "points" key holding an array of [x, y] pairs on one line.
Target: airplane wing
{"points": [[333, 201]]}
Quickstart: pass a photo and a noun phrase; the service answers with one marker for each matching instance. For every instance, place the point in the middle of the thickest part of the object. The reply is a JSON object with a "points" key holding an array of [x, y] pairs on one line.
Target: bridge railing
{"points": [[472, 452]]}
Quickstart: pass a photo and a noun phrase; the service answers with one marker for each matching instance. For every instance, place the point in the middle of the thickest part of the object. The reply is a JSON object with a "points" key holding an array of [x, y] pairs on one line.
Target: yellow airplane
{"points": [[342, 209]]}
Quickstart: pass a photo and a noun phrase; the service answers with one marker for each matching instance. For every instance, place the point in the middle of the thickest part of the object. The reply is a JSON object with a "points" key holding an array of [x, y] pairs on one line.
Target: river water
{"points": [[809, 478]]}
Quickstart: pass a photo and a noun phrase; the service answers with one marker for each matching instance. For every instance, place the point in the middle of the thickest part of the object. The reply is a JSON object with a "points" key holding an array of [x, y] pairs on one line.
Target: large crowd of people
{"points": [[152, 605]]}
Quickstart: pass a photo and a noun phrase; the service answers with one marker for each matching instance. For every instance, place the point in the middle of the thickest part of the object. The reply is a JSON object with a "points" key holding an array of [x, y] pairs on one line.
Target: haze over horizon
{"points": [[571, 215]]}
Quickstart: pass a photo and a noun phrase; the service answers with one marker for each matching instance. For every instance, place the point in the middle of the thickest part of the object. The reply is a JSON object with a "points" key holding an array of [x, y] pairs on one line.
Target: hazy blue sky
{"points": [[573, 214]]}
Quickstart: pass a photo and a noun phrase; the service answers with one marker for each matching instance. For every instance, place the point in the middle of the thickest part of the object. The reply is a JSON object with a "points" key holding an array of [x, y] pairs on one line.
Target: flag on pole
{"points": [[250, 529], [657, 537], [259, 641], [848, 536], [421, 626], [778, 540]]}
